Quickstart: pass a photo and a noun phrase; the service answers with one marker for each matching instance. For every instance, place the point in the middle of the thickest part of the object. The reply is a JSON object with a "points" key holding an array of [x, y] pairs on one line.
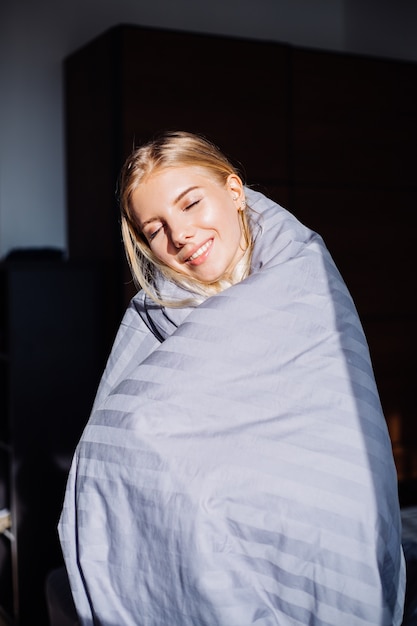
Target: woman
{"points": [[236, 468]]}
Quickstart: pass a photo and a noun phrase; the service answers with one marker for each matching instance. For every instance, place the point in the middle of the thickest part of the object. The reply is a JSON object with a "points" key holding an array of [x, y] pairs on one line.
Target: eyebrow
{"points": [[176, 201], [184, 193]]}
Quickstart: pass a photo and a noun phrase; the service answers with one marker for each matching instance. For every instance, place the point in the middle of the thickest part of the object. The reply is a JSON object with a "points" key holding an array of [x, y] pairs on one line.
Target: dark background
{"points": [[330, 134]]}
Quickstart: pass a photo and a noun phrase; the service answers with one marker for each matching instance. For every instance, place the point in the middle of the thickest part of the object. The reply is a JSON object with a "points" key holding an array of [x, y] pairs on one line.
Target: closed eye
{"points": [[190, 206], [153, 235]]}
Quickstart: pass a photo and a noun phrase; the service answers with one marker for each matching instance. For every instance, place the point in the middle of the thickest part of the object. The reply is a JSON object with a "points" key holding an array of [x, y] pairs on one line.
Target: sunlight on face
{"points": [[191, 221]]}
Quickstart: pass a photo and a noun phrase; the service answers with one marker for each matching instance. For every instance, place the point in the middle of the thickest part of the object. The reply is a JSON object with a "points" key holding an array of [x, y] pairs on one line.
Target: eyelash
{"points": [[153, 235], [191, 205]]}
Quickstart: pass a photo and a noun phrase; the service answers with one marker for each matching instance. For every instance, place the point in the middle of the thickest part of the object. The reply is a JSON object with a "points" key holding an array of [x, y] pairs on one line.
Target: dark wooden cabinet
{"points": [[52, 353], [330, 136]]}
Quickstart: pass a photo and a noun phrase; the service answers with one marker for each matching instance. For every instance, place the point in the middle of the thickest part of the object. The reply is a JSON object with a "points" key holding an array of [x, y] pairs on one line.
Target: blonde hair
{"points": [[172, 149]]}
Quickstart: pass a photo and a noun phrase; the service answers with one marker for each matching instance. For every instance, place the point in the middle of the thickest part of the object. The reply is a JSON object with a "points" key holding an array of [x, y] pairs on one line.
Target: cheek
{"points": [[166, 255], [225, 219], [235, 226], [159, 248]]}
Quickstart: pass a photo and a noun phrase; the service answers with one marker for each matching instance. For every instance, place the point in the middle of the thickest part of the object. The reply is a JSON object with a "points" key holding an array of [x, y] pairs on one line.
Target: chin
{"points": [[216, 280]]}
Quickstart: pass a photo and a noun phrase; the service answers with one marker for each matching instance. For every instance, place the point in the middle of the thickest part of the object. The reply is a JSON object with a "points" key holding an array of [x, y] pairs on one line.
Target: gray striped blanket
{"points": [[239, 472]]}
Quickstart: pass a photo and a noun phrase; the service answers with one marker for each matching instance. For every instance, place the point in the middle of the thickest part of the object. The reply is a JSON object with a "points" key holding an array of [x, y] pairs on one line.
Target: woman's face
{"points": [[191, 221]]}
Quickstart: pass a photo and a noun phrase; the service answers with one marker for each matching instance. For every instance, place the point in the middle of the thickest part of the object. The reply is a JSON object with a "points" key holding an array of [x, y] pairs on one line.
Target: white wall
{"points": [[36, 35]]}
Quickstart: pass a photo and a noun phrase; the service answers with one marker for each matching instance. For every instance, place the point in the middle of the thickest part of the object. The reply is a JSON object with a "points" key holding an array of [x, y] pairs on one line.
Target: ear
{"points": [[235, 186]]}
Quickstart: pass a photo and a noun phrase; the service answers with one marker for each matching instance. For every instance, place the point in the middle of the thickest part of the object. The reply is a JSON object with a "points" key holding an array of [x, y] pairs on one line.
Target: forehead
{"points": [[178, 175], [169, 185]]}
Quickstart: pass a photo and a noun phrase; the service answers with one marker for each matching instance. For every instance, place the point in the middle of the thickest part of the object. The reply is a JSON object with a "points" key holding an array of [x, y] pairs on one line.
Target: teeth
{"points": [[200, 251]]}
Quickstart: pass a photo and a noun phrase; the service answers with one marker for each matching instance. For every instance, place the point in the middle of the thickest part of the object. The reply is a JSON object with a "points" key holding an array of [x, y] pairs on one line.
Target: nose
{"points": [[181, 231]]}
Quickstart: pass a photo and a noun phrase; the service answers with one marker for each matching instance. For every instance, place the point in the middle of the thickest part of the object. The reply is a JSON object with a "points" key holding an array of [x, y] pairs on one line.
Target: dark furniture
{"points": [[52, 352]]}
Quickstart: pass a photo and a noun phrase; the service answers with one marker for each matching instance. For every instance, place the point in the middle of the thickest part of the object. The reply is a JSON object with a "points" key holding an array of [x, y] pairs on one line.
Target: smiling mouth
{"points": [[200, 251]]}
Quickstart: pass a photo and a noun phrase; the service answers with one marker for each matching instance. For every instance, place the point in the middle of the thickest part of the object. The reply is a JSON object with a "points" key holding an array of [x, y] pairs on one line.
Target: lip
{"points": [[203, 256]]}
